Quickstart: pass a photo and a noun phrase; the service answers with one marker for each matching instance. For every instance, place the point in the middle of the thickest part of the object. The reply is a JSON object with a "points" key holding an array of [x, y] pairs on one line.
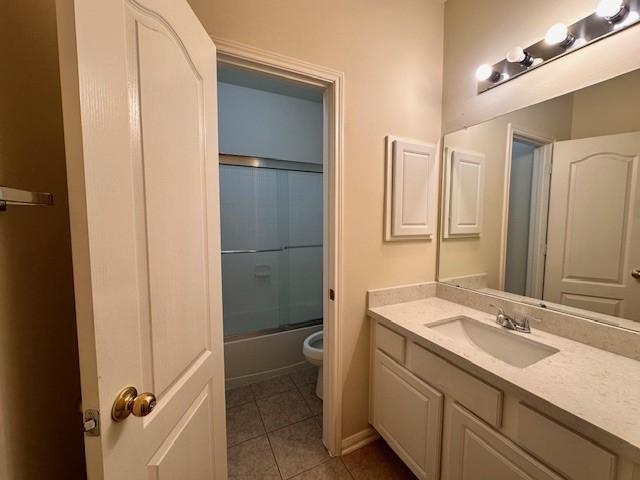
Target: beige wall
{"points": [[40, 433], [481, 31], [466, 256], [607, 108], [391, 54]]}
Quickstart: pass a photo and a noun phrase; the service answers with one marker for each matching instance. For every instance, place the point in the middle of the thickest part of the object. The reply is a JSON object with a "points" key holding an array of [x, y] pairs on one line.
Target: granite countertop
{"points": [[589, 386]]}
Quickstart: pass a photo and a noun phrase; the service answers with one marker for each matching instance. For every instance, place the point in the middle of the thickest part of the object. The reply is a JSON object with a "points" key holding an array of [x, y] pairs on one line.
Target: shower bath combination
{"points": [[272, 261]]}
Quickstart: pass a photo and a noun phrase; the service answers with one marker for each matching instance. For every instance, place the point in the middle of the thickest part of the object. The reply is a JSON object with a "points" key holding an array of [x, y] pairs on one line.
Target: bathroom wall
{"points": [[601, 110], [482, 31], [40, 429], [391, 54], [265, 124]]}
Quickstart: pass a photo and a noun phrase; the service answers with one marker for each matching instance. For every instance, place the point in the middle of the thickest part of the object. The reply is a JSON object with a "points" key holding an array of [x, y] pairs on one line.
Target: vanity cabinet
{"points": [[446, 423], [408, 413]]}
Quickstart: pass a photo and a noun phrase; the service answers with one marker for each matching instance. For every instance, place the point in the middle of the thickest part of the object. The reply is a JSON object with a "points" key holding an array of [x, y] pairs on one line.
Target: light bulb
{"points": [[483, 72], [556, 34], [537, 61], [516, 55], [519, 55], [609, 8], [559, 34]]}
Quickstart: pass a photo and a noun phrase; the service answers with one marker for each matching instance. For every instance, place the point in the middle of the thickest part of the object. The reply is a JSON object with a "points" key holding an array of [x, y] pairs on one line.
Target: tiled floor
{"points": [[274, 431]]}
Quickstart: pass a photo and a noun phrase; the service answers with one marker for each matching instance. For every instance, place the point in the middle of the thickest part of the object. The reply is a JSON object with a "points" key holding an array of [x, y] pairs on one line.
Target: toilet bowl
{"points": [[313, 350]]}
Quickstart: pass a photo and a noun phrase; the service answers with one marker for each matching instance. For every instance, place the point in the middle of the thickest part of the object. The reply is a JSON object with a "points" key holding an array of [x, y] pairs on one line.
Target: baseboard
{"points": [[359, 440]]}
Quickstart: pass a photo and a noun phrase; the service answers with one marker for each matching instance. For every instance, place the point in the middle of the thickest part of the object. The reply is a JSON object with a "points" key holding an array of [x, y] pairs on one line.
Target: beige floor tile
{"points": [[272, 386], [238, 396], [243, 423], [376, 461], [332, 469], [305, 376], [313, 402], [283, 409], [252, 460], [298, 447]]}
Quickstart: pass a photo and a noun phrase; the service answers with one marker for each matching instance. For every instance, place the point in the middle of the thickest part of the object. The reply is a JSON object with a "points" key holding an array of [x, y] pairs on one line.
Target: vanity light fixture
{"points": [[521, 56], [485, 72], [607, 18], [613, 11], [632, 17], [559, 34]]}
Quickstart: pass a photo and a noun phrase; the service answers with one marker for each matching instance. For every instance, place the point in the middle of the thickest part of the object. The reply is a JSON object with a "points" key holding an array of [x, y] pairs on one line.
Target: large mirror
{"points": [[543, 204]]}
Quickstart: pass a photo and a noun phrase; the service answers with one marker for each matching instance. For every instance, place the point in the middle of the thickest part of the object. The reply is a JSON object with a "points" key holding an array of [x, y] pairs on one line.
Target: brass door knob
{"points": [[636, 273], [129, 402]]}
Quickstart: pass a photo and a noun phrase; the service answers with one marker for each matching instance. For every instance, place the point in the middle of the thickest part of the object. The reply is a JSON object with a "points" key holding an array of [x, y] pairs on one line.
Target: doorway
{"points": [[301, 78], [526, 211]]}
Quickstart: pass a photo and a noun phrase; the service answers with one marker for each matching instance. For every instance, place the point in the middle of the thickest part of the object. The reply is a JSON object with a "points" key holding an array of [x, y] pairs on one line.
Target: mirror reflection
{"points": [[543, 204]]}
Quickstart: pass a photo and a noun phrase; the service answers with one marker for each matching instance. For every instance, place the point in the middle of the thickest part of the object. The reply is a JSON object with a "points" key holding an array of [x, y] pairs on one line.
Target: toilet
{"points": [[313, 350]]}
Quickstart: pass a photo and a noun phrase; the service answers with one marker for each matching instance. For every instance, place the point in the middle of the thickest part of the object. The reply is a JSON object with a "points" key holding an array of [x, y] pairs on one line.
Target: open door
{"points": [[594, 225], [139, 99]]}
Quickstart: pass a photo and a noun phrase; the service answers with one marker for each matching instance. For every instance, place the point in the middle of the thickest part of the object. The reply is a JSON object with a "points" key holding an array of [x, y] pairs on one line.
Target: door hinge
{"points": [[91, 424], [332, 294]]}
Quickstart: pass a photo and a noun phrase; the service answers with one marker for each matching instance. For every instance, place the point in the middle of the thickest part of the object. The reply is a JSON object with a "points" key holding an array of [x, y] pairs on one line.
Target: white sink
{"points": [[510, 347]]}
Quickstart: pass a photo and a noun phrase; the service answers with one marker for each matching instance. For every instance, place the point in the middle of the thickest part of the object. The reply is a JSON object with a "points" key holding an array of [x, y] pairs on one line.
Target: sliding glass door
{"points": [[271, 220]]}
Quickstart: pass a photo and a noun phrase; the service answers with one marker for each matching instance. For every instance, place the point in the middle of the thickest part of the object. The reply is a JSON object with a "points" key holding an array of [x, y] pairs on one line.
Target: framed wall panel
{"points": [[411, 193], [464, 193]]}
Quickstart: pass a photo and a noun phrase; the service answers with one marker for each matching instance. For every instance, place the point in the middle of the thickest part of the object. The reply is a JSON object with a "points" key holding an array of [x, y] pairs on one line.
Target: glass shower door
{"points": [[272, 249]]}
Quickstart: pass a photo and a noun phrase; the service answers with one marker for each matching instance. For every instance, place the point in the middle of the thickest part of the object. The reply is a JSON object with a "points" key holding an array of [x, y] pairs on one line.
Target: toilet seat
{"points": [[313, 348]]}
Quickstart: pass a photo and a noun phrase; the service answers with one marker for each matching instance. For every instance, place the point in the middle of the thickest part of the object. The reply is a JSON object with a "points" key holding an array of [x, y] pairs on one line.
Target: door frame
{"points": [[332, 82], [515, 132]]}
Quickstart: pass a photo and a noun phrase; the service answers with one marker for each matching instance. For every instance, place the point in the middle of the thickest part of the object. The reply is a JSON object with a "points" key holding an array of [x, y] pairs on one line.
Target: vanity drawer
{"points": [[390, 343], [568, 453], [482, 399]]}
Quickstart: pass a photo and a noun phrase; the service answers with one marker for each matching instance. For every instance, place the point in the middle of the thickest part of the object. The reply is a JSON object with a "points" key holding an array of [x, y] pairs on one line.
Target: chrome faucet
{"points": [[511, 323]]}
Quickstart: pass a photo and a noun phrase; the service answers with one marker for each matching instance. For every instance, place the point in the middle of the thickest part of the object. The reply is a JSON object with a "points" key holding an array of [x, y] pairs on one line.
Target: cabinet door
{"points": [[408, 414], [464, 201], [476, 452]]}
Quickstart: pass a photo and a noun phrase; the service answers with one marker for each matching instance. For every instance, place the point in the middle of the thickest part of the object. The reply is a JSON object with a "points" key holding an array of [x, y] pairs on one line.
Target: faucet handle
{"points": [[501, 317], [500, 310], [523, 325]]}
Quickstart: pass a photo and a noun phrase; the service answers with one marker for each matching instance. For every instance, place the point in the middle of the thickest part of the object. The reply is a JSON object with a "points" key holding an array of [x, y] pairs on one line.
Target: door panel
{"points": [[414, 177], [408, 414], [477, 452], [465, 187], [593, 225], [139, 102], [608, 306], [597, 213], [177, 457], [171, 213]]}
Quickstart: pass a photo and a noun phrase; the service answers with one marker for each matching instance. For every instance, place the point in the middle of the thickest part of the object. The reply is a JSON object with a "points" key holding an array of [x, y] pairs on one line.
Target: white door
{"points": [[139, 98], [594, 225]]}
